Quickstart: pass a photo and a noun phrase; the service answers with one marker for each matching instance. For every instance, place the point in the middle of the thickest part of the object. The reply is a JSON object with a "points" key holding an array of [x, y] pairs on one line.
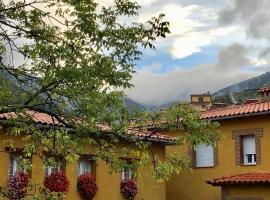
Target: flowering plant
{"points": [[87, 186], [129, 189], [56, 182], [17, 185]]}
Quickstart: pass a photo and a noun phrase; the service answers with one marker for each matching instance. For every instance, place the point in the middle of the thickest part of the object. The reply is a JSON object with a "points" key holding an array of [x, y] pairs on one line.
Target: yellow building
{"points": [[238, 169], [201, 102], [108, 184]]}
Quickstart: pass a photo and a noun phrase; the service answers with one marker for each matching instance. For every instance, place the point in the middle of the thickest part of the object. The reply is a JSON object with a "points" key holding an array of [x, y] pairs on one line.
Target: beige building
{"points": [[201, 102]]}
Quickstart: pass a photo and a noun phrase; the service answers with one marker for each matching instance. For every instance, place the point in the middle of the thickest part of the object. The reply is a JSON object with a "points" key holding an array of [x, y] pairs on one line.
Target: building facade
{"points": [[201, 102], [242, 154], [108, 184]]}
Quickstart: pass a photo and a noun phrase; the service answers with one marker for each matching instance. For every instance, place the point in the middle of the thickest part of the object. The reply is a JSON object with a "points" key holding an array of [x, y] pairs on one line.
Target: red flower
{"points": [[87, 186], [129, 189], [17, 185], [56, 182]]}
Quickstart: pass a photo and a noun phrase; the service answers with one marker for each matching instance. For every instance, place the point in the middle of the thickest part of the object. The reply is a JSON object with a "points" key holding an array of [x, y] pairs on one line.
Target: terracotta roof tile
{"points": [[38, 117], [45, 119], [237, 111], [248, 178]]}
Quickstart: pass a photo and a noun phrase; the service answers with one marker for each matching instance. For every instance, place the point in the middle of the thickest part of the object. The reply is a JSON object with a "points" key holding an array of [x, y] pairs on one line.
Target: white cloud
{"points": [[185, 23], [258, 62], [179, 83], [145, 2], [195, 26], [187, 45], [156, 89]]}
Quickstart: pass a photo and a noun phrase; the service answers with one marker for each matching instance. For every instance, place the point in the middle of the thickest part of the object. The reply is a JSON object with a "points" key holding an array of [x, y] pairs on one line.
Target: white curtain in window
{"points": [[204, 155], [50, 169], [84, 166], [13, 165], [126, 173]]}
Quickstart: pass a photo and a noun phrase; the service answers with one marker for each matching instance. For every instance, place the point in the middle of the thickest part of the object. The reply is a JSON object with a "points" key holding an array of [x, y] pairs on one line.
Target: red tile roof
{"points": [[45, 119], [153, 136], [248, 178], [237, 111]]}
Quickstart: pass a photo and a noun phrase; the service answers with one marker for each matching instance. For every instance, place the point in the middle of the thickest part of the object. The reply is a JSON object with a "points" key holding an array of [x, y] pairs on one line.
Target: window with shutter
{"points": [[248, 146], [204, 155], [249, 150]]}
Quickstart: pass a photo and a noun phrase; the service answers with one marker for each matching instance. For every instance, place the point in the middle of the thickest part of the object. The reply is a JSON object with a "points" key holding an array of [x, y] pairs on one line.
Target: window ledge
{"points": [[248, 165], [204, 167]]}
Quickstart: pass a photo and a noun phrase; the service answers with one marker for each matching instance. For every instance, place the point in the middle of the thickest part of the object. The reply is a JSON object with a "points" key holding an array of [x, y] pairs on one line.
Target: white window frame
{"points": [[82, 168], [126, 173], [13, 164], [249, 149], [50, 169], [205, 155]]}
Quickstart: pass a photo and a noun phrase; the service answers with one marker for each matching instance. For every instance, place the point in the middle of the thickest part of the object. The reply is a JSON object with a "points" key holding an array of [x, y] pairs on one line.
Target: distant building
{"points": [[248, 101], [264, 93], [202, 102]]}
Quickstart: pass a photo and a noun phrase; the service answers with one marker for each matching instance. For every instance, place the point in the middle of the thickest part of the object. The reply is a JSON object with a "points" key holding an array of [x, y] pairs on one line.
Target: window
{"points": [[200, 99], [13, 164], [16, 159], [51, 169], [249, 150], [126, 173], [204, 155], [248, 146], [84, 166]]}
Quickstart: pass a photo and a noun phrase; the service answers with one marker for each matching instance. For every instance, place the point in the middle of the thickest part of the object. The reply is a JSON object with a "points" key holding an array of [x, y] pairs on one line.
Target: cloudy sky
{"points": [[213, 44]]}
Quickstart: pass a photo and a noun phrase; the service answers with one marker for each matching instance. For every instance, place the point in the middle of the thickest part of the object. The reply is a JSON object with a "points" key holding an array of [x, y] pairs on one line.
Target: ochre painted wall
{"points": [[108, 184], [206, 98], [192, 186], [261, 192]]}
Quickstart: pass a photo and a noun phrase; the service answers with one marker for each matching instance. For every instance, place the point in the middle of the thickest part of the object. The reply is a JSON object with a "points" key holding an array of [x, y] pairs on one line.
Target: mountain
{"points": [[133, 105], [245, 89], [30, 86], [253, 83]]}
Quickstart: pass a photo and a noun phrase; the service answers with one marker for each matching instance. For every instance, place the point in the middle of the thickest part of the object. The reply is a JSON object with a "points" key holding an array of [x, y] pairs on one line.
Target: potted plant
{"points": [[56, 182], [87, 186], [129, 189], [18, 185]]}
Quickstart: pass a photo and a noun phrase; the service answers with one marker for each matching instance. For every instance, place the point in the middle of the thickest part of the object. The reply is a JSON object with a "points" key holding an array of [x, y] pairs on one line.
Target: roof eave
{"points": [[47, 126], [237, 116]]}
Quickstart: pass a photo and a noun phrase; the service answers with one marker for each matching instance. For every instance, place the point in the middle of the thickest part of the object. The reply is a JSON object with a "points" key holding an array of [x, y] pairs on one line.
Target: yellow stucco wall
{"points": [[237, 192], [192, 186], [108, 184], [206, 98]]}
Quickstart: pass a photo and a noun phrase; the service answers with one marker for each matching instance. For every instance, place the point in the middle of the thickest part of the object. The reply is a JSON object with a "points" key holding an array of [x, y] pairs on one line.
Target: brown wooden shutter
{"points": [[241, 152], [216, 155], [192, 157], [258, 149], [236, 137]]}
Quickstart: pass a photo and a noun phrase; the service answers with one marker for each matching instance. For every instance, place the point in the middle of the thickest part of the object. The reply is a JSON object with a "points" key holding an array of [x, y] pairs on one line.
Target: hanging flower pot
{"points": [[87, 187], [18, 185], [129, 189], [56, 182]]}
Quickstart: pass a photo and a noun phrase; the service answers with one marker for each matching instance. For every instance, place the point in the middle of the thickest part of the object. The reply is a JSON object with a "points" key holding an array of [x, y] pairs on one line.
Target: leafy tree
{"points": [[72, 59]]}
